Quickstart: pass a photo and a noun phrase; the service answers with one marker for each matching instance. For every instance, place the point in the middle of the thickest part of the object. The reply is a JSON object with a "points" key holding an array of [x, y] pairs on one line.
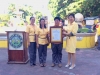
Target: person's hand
{"points": [[64, 30], [64, 33], [48, 44], [67, 34], [63, 36]]}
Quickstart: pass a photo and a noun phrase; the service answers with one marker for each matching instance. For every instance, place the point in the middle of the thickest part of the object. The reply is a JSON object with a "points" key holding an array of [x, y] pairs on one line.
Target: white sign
{"points": [[15, 41], [56, 34], [89, 22]]}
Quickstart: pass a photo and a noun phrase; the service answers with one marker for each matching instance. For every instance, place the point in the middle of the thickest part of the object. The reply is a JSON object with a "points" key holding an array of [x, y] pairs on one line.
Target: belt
{"points": [[42, 38], [31, 35], [71, 36]]}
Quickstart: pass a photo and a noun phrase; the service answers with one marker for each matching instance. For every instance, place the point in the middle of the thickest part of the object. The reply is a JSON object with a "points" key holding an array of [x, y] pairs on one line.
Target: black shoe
{"points": [[53, 65], [59, 65], [34, 64], [44, 64], [41, 65]]}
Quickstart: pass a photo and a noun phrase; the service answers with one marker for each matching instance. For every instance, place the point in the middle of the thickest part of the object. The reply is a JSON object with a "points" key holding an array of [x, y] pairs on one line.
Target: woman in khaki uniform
{"points": [[98, 34], [30, 29], [42, 41], [70, 32]]}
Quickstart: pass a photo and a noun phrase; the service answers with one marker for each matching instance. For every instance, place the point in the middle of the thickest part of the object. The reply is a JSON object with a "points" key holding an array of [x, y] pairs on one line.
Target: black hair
{"points": [[94, 27], [31, 17], [58, 18], [71, 15], [40, 23], [63, 22]]}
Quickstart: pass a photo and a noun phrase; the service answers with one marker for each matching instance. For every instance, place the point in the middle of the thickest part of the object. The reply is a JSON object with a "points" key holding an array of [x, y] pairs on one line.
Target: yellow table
{"points": [[87, 40], [3, 40]]}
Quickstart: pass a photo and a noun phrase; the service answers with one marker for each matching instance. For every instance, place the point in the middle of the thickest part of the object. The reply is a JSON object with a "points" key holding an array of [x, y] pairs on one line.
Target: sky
{"points": [[40, 5]]}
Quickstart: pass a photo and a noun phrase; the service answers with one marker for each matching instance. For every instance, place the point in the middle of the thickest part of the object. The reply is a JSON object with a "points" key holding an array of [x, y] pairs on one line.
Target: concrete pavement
{"points": [[87, 63]]}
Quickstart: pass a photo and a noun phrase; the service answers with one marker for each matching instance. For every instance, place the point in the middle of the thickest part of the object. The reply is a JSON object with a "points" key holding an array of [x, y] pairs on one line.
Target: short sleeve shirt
{"points": [[31, 30]]}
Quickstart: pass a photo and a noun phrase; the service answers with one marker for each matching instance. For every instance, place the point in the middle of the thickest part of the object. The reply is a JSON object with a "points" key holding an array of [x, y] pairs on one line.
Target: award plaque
{"points": [[56, 34]]}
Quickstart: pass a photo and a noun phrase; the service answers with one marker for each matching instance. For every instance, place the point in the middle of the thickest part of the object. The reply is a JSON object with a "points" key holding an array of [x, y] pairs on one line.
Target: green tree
{"points": [[64, 7], [91, 7], [53, 7], [27, 11], [11, 9], [58, 7], [38, 16], [4, 17], [74, 7]]}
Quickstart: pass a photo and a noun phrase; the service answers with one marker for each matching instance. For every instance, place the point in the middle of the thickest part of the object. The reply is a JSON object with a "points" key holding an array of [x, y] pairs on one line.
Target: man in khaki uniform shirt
{"points": [[56, 48], [30, 29]]}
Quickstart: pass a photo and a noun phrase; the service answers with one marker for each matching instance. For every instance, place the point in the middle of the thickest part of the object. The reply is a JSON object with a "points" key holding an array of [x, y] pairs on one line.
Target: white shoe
{"points": [[68, 65], [72, 67]]}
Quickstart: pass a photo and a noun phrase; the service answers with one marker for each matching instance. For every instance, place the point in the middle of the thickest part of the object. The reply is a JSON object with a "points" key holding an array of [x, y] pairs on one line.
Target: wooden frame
{"points": [[56, 34]]}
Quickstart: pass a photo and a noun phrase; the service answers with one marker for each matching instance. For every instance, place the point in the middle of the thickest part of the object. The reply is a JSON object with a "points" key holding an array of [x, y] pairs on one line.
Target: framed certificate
{"points": [[56, 34]]}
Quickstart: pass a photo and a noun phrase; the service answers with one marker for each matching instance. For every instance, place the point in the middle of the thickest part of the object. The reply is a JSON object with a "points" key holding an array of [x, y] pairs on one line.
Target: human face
{"points": [[57, 22], [71, 19], [42, 22], [32, 21]]}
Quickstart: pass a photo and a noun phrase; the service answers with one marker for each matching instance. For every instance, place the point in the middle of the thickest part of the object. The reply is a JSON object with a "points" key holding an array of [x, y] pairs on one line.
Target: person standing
{"points": [[62, 22], [98, 35], [42, 40], [70, 31], [57, 48], [31, 30]]}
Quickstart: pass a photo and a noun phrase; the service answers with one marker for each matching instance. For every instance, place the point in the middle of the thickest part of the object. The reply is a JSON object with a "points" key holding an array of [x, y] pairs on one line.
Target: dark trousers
{"points": [[32, 53], [98, 47], [56, 53], [42, 51]]}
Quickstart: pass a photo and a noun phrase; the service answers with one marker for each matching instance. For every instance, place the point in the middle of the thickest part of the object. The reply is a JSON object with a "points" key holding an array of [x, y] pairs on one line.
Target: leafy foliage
{"points": [[64, 7], [11, 9], [4, 17], [27, 12], [38, 16]]}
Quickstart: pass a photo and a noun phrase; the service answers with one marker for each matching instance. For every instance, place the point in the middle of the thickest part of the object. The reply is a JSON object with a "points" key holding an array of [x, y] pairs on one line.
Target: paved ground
{"points": [[88, 63]]}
